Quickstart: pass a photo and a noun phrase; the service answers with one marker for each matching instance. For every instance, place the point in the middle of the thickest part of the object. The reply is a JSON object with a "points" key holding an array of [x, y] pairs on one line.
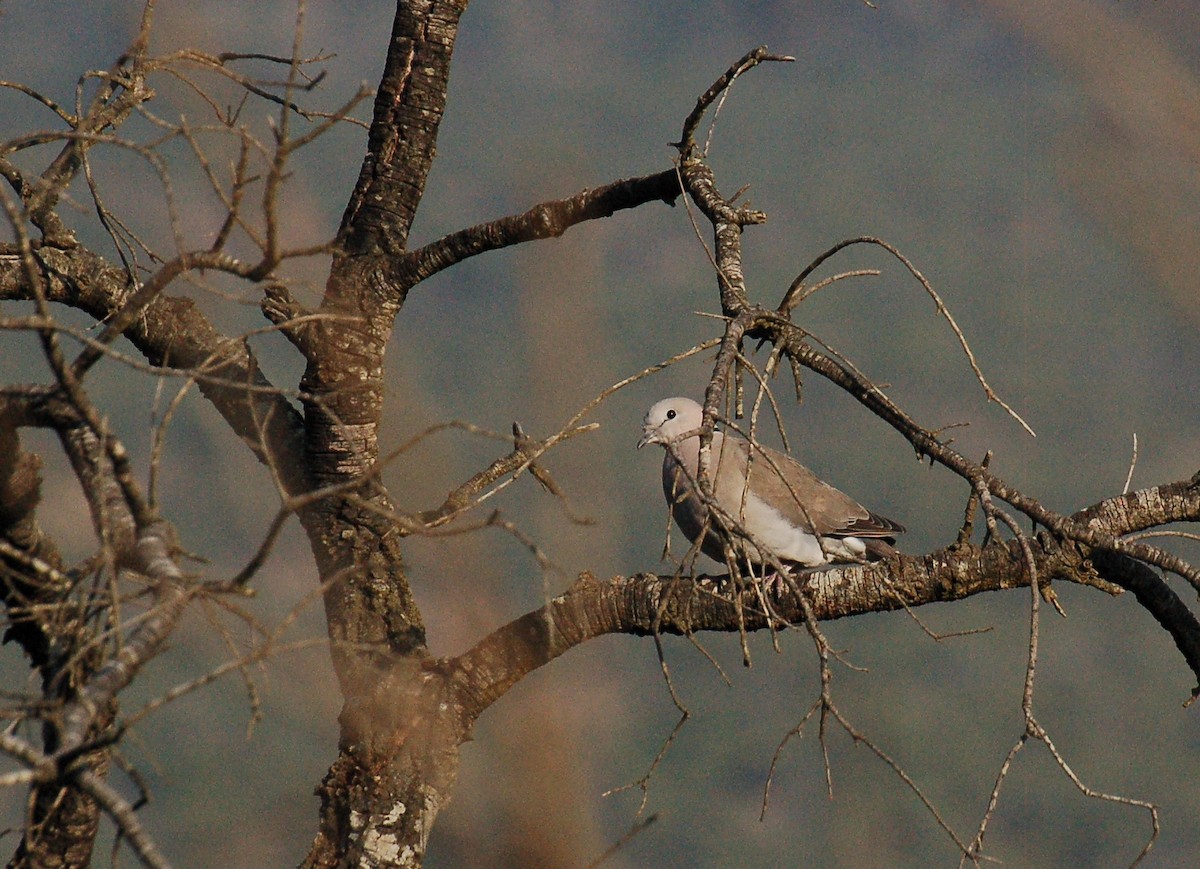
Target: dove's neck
{"points": [[689, 453]]}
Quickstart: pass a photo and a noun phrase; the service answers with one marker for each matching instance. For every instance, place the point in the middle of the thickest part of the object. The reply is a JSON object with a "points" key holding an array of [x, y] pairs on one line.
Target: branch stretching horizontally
{"points": [[1099, 528], [646, 604], [544, 220]]}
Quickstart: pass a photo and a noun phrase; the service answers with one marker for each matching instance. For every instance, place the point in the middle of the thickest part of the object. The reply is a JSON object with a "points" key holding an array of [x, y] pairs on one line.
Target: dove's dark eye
{"points": [[670, 414]]}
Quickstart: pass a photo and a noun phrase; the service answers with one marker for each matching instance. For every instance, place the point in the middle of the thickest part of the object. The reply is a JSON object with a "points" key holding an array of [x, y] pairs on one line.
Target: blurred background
{"points": [[1039, 162]]}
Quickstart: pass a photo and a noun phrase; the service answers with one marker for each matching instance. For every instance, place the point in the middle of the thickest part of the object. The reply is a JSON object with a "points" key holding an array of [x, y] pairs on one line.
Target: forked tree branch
{"points": [[744, 320], [406, 713], [172, 332]]}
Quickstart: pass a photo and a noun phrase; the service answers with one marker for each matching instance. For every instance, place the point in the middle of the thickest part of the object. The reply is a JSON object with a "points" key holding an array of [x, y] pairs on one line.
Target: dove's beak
{"points": [[649, 436]]}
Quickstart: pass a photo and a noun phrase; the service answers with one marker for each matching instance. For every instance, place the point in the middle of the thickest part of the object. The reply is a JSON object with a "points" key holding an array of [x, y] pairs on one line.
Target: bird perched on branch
{"points": [[761, 498]]}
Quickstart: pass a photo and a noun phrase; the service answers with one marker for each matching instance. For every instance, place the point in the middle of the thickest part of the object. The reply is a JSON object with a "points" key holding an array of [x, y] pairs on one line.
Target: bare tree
{"points": [[91, 628]]}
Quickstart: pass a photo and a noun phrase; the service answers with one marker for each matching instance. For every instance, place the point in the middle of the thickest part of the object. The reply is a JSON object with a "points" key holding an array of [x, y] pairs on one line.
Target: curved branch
{"points": [[797, 292], [1158, 599], [687, 141], [173, 332]]}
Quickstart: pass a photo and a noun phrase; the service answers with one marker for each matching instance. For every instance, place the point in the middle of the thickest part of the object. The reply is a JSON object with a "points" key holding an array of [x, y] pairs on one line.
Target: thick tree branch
{"points": [[409, 105], [172, 332], [1158, 599], [380, 795], [544, 220], [1144, 508], [646, 604]]}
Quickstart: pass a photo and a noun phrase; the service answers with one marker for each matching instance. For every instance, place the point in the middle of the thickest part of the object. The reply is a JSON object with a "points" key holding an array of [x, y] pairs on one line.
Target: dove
{"points": [[783, 506]]}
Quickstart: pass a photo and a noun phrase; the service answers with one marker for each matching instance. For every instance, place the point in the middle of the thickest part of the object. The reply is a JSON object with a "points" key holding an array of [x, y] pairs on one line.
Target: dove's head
{"points": [[669, 419]]}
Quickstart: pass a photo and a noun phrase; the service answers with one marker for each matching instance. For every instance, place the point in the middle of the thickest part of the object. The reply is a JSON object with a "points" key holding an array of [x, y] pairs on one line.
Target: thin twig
{"points": [[1132, 464]]}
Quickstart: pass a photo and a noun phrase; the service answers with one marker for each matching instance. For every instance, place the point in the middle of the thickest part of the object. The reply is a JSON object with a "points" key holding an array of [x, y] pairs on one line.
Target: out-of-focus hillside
{"points": [[1038, 161]]}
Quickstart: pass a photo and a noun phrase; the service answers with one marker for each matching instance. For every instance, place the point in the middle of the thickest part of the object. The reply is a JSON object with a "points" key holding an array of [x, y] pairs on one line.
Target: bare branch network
{"points": [[91, 629]]}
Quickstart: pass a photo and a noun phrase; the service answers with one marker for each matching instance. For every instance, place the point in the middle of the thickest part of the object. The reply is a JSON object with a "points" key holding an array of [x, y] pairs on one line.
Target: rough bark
{"points": [[395, 767], [406, 714]]}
